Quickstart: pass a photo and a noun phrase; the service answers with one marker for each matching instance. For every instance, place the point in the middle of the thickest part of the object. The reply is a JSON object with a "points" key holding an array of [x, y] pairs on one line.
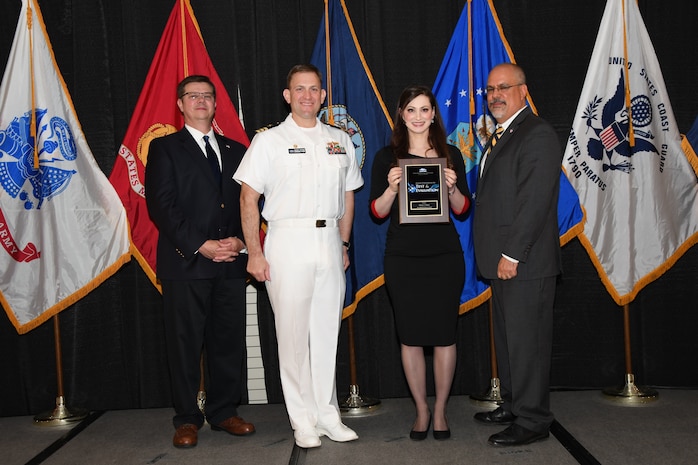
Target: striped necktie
{"points": [[497, 133]]}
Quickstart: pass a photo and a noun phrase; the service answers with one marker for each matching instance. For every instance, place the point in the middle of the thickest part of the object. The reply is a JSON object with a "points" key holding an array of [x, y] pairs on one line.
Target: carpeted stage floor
{"points": [[589, 429]]}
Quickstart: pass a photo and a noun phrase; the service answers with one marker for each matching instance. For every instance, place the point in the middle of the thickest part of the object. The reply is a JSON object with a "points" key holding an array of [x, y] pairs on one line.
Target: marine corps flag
{"points": [[63, 229], [625, 158], [355, 105], [477, 45], [180, 53]]}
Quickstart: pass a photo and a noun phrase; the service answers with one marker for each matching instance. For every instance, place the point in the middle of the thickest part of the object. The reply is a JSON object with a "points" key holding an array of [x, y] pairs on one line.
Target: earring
{"points": [[432, 121]]}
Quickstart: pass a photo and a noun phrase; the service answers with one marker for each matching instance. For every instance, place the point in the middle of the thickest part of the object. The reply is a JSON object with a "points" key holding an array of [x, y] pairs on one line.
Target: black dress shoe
{"points": [[495, 417], [442, 435], [516, 435], [420, 435]]}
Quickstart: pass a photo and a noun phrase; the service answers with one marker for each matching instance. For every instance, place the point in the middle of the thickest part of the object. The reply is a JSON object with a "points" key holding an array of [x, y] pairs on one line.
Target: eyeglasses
{"points": [[501, 88], [194, 96]]}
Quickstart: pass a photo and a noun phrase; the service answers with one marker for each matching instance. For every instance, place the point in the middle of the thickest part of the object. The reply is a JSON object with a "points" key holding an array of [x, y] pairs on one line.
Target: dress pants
{"points": [[208, 315], [306, 292], [522, 312]]}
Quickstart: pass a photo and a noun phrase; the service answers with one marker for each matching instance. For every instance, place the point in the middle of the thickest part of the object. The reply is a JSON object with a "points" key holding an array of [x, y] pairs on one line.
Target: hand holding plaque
{"points": [[423, 196]]}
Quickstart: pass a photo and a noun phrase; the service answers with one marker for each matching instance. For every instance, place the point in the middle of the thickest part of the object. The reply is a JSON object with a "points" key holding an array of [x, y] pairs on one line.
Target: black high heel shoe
{"points": [[440, 435], [420, 435]]}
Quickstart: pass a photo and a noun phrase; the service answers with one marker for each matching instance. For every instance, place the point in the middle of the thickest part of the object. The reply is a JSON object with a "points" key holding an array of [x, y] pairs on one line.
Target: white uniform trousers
{"points": [[306, 292]]}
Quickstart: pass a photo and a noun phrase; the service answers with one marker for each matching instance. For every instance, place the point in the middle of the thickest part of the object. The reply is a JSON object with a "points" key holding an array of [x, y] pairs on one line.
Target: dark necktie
{"points": [[212, 161], [497, 133]]}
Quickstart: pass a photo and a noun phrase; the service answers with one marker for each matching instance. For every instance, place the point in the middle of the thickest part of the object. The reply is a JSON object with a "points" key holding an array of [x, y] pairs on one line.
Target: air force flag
{"points": [[477, 45]]}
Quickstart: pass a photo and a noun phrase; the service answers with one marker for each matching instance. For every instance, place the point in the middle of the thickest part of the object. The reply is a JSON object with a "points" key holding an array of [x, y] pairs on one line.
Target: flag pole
{"points": [[59, 416], [355, 405], [493, 397], [629, 394]]}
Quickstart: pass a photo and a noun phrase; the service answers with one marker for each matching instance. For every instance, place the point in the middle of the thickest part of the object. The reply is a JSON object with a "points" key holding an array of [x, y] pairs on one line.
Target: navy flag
{"points": [[355, 105], [477, 45]]}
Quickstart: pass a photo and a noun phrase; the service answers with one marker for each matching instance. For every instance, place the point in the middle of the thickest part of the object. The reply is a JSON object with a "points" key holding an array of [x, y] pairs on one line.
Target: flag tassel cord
{"points": [[61, 415], [629, 394], [471, 113], [626, 69], [32, 129], [185, 58]]}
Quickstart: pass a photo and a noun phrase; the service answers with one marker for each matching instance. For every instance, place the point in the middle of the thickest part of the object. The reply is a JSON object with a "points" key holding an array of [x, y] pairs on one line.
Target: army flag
{"points": [[477, 45], [355, 105], [63, 229], [180, 53], [625, 158]]}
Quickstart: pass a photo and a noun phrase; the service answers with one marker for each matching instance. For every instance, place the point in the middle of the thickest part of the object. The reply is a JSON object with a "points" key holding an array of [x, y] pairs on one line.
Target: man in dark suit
{"points": [[517, 248], [201, 261]]}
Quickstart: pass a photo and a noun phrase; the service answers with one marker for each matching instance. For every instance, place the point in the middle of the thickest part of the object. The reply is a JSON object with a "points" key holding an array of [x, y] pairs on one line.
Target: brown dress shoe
{"points": [[235, 426], [185, 436]]}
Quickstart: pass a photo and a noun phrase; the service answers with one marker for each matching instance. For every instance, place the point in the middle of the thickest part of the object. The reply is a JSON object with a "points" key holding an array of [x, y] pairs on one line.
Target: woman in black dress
{"points": [[424, 265]]}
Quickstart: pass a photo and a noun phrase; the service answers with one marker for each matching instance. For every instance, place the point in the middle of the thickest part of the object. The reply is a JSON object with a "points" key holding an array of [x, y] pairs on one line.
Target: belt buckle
{"points": [[320, 223]]}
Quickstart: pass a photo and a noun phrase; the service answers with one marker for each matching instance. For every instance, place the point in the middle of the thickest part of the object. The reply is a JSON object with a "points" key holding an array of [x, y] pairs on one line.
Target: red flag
{"points": [[181, 53]]}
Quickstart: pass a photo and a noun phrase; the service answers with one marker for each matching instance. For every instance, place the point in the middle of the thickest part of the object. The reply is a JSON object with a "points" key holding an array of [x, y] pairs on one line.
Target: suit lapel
{"points": [[192, 148], [501, 142], [224, 148]]}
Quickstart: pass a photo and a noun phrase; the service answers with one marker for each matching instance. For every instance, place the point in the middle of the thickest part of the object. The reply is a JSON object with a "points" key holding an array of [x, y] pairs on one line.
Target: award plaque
{"points": [[423, 196]]}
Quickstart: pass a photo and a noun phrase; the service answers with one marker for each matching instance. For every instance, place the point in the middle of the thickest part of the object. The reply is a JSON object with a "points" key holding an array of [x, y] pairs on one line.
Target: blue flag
{"points": [[477, 45], [355, 105], [692, 135]]}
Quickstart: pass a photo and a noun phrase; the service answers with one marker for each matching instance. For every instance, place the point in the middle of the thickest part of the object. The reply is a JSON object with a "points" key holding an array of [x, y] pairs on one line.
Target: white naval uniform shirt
{"points": [[302, 172]]}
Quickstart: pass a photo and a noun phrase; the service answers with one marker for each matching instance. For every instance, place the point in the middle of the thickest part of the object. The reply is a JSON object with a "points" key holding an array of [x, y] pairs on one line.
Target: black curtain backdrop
{"points": [[112, 340]]}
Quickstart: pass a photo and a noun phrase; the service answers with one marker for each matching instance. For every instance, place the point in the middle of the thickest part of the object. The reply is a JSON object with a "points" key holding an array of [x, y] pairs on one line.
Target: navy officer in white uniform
{"points": [[307, 172]]}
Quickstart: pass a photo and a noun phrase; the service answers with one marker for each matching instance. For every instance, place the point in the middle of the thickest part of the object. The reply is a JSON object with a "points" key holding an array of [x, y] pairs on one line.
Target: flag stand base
{"points": [[630, 394], [60, 416], [358, 406], [492, 398]]}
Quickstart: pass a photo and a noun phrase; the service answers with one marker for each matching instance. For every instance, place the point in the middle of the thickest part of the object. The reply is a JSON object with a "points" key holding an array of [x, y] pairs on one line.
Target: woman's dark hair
{"points": [[400, 142]]}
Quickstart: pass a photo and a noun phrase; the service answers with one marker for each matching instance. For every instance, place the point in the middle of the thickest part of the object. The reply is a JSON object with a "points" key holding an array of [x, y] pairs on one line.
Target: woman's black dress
{"points": [[424, 268]]}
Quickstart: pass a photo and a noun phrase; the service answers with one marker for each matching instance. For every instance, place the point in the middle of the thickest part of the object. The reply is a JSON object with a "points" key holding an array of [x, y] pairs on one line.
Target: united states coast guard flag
{"points": [[355, 105], [477, 45], [180, 53], [63, 229], [624, 157]]}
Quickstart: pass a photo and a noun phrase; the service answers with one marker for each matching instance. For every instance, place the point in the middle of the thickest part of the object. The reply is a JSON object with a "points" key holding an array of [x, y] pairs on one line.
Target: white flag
{"points": [[63, 229], [640, 199]]}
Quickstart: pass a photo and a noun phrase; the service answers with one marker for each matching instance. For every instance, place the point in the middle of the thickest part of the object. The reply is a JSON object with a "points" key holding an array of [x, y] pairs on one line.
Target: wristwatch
{"points": [[346, 244]]}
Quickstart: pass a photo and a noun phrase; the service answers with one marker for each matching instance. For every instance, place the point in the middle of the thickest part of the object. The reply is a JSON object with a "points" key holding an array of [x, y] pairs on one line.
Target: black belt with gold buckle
{"points": [[320, 223]]}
